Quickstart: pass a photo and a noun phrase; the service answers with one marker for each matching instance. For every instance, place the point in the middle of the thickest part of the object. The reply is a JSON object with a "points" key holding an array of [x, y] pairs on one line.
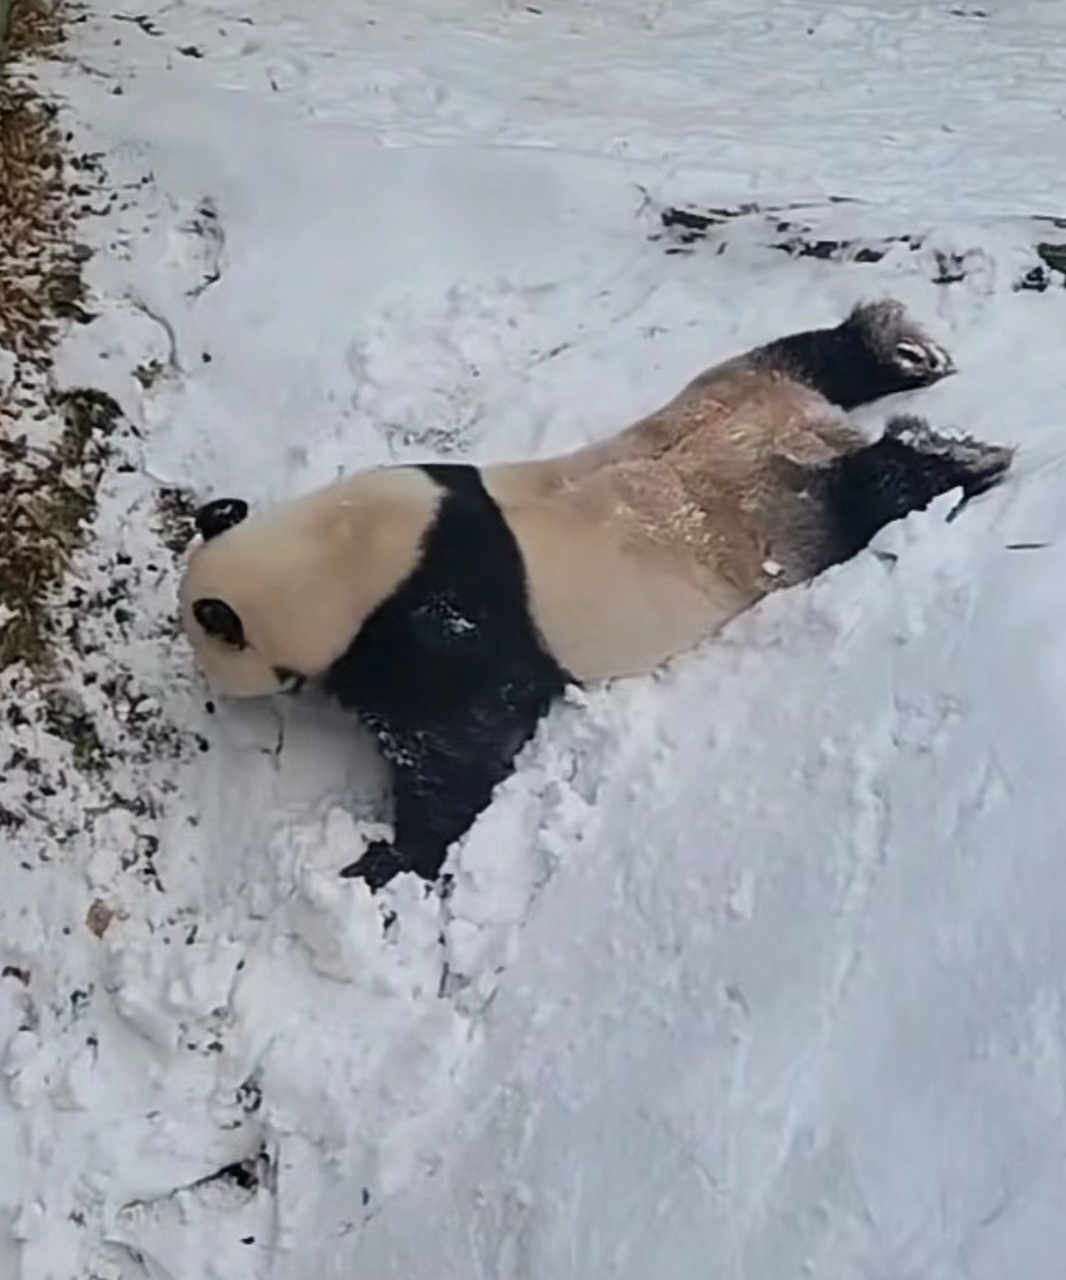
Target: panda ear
{"points": [[216, 517], [219, 620]]}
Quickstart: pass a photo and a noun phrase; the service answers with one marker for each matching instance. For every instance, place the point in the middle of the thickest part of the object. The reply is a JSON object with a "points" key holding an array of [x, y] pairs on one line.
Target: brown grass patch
{"points": [[37, 27], [52, 446]]}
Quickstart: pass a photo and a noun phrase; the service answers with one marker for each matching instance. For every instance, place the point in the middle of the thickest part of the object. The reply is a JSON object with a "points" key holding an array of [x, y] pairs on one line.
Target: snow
{"points": [[755, 968]]}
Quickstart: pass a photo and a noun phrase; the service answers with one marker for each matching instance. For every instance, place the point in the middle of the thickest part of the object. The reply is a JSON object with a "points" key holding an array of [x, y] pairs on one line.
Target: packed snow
{"points": [[755, 969]]}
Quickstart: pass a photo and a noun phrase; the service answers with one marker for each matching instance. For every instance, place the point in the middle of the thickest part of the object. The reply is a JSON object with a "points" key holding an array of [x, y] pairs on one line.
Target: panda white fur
{"points": [[449, 605]]}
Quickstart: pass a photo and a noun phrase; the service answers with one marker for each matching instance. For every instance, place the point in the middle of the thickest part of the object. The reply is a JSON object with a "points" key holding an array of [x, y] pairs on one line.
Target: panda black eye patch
{"points": [[219, 620]]}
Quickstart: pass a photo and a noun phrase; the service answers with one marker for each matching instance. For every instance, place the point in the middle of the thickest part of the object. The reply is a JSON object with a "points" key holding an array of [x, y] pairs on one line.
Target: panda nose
{"points": [[290, 681]]}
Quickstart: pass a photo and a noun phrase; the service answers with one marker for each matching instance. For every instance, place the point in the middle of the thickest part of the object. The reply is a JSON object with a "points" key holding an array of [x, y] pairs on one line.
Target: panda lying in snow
{"points": [[448, 605]]}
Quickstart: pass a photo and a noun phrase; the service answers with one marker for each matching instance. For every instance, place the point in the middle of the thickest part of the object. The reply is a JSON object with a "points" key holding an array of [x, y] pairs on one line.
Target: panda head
{"points": [[227, 608], [269, 601]]}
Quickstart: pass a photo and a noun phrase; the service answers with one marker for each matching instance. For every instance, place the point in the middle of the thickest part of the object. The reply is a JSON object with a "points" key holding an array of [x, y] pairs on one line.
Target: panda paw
{"points": [[377, 867], [886, 328], [921, 361], [976, 466]]}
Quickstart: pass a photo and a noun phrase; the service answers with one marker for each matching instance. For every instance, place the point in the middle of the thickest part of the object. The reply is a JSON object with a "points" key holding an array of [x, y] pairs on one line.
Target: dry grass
{"points": [[40, 275], [37, 28], [45, 502], [47, 492]]}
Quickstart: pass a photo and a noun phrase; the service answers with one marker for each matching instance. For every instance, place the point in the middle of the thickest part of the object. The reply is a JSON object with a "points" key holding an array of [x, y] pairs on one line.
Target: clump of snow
{"points": [[754, 968]]}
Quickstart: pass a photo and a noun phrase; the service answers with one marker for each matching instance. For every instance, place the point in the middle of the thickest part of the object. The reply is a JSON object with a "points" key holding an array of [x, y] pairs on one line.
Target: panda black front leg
{"points": [[444, 773], [877, 351], [422, 833], [437, 795], [450, 673], [379, 865]]}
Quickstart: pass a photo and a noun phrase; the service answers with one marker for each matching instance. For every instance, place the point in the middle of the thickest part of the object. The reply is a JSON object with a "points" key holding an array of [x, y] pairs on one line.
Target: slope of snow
{"points": [[755, 969]]}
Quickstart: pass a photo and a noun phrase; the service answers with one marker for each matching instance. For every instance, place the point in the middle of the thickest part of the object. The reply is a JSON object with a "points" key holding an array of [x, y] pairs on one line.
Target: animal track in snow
{"points": [[205, 241], [187, 241]]}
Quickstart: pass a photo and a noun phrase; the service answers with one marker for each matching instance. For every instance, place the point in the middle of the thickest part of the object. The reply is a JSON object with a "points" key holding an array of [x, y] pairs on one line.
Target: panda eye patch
{"points": [[219, 620]]}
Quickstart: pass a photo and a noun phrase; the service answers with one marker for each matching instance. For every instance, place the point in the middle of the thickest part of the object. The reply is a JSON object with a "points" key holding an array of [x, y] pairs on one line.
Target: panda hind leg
{"points": [[878, 350], [903, 471]]}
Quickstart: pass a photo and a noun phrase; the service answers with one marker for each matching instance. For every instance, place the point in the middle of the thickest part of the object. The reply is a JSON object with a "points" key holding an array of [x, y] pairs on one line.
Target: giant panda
{"points": [[448, 605]]}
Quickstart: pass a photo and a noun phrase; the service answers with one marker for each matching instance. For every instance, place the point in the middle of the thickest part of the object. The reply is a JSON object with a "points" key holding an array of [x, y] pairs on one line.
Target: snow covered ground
{"points": [[755, 970]]}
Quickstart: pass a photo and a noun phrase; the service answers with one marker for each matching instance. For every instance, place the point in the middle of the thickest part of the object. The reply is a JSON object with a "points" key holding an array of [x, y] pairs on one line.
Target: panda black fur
{"points": [[449, 605]]}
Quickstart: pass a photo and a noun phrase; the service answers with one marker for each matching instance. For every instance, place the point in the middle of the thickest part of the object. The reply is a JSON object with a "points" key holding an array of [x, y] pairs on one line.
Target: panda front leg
{"points": [[443, 776], [433, 806], [878, 350]]}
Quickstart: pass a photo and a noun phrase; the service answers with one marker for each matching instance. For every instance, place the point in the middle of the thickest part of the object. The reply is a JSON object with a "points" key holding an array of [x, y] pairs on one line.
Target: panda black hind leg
{"points": [[903, 471], [878, 350]]}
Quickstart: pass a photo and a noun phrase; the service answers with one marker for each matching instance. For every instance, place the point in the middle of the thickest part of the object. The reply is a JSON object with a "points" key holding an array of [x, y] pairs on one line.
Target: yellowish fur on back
{"points": [[640, 546]]}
